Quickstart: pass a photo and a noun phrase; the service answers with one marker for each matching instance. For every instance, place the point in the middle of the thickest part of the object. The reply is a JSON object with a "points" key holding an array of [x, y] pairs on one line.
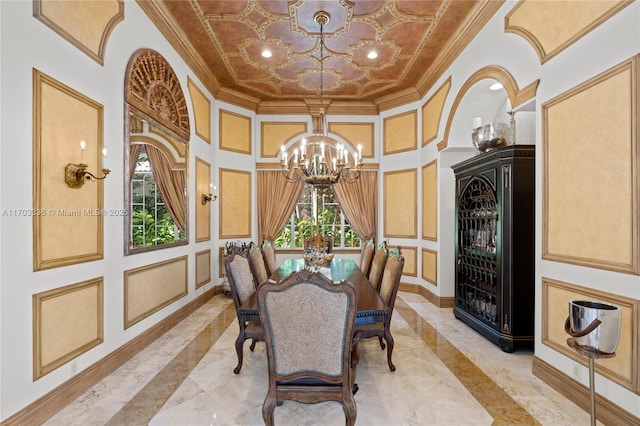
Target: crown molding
{"points": [[475, 21], [398, 99], [163, 20]]}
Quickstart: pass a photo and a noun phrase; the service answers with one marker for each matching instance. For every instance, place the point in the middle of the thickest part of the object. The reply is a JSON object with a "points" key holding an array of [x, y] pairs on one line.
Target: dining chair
{"points": [[242, 288], [377, 265], [388, 291], [308, 323], [258, 268], [366, 256], [269, 254]]}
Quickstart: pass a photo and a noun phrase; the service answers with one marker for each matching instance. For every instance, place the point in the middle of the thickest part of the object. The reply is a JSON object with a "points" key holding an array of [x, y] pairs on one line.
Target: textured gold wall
{"points": [[69, 226], [590, 175], [430, 266], [67, 322], [203, 211], [430, 201], [85, 24], [203, 267], [400, 133], [201, 111], [623, 368], [400, 203], [552, 26], [235, 204], [152, 287], [274, 134], [235, 132], [357, 133], [432, 112]]}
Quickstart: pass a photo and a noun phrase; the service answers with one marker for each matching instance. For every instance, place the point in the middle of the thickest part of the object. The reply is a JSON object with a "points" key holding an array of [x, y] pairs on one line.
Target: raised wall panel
{"points": [[201, 111], [152, 287], [432, 113], [430, 201], [400, 203], [235, 204], [68, 226], [623, 368], [552, 26], [400, 133], [430, 266], [590, 199], [235, 132], [274, 134], [87, 25], [203, 211], [357, 134], [203, 267], [410, 255], [67, 322]]}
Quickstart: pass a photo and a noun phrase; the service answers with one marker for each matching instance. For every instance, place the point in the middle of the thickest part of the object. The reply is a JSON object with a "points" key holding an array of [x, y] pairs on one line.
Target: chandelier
{"points": [[317, 162]]}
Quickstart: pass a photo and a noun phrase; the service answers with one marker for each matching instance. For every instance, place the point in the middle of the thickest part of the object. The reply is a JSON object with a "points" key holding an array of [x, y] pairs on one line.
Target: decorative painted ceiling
{"points": [[229, 36]]}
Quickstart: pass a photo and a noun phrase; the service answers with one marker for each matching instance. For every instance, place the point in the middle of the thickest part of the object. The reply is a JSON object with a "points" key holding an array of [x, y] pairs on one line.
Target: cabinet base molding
{"points": [[49, 404], [606, 411]]}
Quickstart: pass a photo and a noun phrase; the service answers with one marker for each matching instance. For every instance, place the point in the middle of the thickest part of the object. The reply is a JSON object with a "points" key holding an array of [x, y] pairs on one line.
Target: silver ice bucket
{"points": [[594, 325]]}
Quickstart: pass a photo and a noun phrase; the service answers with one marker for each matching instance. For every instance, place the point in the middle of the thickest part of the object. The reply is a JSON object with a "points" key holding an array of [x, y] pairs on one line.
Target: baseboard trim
{"points": [[440, 302], [606, 411], [49, 404]]}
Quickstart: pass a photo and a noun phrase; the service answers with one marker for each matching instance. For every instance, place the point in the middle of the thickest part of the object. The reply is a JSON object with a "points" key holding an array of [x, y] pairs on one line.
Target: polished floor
{"points": [[447, 374]]}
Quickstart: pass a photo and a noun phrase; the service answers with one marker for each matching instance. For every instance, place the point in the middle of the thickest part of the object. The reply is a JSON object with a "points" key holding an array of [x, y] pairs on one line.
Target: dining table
{"points": [[369, 305]]}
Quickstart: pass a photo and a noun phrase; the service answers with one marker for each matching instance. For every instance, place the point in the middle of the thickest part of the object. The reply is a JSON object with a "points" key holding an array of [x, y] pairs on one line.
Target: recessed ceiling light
{"points": [[372, 55], [266, 53], [495, 86]]}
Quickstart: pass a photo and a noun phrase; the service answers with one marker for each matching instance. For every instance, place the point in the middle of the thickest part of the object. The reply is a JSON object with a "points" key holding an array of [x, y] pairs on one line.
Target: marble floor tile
{"points": [[447, 374]]}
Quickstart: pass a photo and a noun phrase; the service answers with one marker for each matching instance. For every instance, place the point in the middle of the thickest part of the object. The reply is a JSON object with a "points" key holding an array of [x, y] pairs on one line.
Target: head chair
{"points": [[308, 323]]}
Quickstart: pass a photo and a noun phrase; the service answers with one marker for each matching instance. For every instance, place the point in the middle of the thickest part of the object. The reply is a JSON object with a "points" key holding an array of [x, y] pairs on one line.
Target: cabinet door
{"points": [[477, 283]]}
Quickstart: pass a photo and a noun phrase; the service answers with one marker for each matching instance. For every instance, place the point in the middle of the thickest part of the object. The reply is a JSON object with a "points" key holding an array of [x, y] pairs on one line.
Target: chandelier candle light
{"points": [[318, 163]]}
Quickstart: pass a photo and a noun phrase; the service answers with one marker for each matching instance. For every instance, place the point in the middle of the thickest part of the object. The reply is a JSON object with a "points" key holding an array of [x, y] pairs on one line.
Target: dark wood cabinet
{"points": [[495, 245]]}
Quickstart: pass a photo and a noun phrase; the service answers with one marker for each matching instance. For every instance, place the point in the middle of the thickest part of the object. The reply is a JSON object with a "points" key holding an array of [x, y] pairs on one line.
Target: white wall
{"points": [[26, 43]]}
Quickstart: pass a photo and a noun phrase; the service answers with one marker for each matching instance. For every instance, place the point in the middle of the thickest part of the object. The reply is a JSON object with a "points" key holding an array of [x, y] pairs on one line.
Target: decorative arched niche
{"points": [[474, 99], [156, 142]]}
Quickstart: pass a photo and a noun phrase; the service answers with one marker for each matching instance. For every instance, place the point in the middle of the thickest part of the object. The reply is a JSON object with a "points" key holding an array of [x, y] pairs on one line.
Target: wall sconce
{"points": [[76, 174], [213, 195]]}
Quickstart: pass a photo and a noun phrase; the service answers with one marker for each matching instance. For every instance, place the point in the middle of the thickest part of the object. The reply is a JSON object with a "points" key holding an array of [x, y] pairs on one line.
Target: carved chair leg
{"points": [[349, 407], [382, 346], [253, 344], [268, 406], [389, 339], [239, 348]]}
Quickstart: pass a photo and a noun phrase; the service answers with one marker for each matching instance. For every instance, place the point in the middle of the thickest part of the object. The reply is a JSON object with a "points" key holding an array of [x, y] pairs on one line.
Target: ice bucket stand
{"points": [[592, 354]]}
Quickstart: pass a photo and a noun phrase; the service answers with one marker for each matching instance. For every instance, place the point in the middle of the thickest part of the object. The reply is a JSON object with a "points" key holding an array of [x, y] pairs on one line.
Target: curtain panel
{"points": [[359, 201], [276, 200]]}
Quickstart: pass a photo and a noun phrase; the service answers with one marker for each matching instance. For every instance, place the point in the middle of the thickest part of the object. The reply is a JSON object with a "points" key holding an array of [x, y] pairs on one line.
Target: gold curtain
{"points": [[134, 153], [276, 199], [359, 201], [171, 184]]}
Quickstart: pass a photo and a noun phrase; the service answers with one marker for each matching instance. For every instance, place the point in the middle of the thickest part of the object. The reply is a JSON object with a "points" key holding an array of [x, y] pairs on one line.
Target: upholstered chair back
{"points": [[257, 264], [269, 254], [308, 323], [240, 278], [366, 256], [377, 265], [391, 277]]}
